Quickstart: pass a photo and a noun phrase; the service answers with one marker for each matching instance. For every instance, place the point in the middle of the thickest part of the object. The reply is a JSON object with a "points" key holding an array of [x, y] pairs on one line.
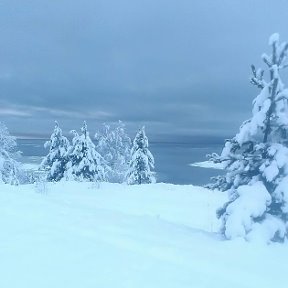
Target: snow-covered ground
{"points": [[159, 235]]}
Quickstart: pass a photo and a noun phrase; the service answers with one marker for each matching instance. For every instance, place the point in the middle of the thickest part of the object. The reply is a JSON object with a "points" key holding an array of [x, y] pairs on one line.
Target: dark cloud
{"points": [[179, 67]]}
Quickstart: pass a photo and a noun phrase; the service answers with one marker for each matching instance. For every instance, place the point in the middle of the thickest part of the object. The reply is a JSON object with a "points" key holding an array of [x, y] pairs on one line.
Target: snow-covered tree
{"points": [[142, 161], [256, 159], [84, 162], [55, 162], [114, 146], [9, 167]]}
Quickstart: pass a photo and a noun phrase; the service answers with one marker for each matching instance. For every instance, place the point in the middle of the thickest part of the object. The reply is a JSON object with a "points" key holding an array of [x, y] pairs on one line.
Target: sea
{"points": [[171, 160]]}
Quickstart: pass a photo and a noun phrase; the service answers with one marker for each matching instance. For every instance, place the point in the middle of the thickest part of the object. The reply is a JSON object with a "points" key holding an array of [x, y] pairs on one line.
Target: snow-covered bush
{"points": [[9, 167], [142, 161], [55, 162], [84, 162], [114, 146], [256, 159]]}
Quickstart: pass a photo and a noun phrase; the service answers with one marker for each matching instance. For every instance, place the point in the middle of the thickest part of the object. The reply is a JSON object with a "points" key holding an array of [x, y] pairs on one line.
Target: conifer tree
{"points": [[142, 161], [114, 146], [9, 167], [55, 162], [84, 162], [256, 159]]}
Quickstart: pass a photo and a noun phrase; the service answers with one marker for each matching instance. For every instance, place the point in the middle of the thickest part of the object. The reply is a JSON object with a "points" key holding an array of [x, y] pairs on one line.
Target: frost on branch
{"points": [[114, 146], [256, 159]]}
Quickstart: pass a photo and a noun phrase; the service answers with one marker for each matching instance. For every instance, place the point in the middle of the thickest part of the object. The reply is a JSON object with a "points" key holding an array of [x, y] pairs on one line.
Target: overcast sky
{"points": [[180, 67]]}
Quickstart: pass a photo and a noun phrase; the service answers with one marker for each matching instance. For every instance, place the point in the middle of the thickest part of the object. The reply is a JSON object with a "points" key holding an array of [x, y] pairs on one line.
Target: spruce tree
{"points": [[9, 167], [114, 146], [55, 162], [256, 159], [142, 161], [84, 162]]}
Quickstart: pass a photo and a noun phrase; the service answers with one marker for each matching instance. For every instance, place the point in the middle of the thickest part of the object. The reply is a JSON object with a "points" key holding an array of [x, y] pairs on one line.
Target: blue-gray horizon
{"points": [[179, 68]]}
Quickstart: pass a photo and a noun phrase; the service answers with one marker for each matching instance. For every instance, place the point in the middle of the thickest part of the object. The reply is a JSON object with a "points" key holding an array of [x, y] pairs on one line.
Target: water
{"points": [[171, 160]]}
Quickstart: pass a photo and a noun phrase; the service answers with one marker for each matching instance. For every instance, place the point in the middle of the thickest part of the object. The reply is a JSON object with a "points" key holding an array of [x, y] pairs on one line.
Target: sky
{"points": [[181, 68]]}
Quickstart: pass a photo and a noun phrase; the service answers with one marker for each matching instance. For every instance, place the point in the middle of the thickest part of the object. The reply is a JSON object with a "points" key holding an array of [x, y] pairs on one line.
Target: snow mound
{"points": [[252, 203]]}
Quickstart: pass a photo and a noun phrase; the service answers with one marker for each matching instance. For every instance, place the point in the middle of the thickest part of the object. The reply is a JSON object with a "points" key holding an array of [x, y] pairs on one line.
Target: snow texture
{"points": [[157, 235], [251, 203]]}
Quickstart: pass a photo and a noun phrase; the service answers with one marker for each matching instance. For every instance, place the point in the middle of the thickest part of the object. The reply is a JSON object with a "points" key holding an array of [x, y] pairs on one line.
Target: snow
{"points": [[54, 163], [283, 94], [141, 161], [114, 145], [250, 129], [260, 99], [208, 164], [274, 38], [267, 229], [251, 203], [281, 194], [83, 161], [256, 153], [271, 171], [112, 235]]}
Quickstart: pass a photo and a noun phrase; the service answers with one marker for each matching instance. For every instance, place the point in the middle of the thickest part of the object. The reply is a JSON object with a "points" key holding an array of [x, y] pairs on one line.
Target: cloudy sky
{"points": [[179, 67]]}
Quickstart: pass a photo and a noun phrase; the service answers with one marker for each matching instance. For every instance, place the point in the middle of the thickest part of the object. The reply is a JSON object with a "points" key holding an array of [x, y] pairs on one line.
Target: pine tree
{"points": [[84, 162], [114, 144], [9, 167], [142, 161], [55, 162], [256, 159]]}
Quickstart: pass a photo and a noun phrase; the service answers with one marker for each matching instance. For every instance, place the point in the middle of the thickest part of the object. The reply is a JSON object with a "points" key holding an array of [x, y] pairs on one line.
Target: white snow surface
{"points": [[158, 235]]}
